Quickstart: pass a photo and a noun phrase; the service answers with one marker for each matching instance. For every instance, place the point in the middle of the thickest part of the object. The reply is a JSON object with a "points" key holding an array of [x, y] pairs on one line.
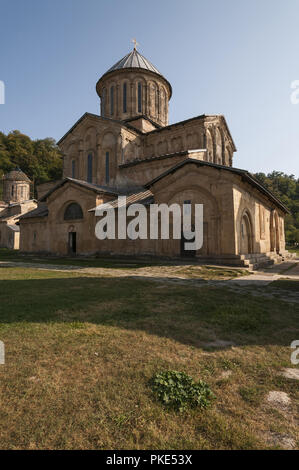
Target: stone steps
{"points": [[249, 261]]}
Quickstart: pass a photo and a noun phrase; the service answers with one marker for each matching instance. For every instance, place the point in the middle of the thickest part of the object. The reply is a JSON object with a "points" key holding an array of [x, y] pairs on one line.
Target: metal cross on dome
{"points": [[135, 44]]}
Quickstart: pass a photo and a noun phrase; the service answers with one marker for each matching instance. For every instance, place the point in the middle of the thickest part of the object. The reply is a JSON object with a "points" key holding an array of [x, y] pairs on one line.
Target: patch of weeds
{"points": [[252, 395], [229, 364], [75, 325], [122, 419], [178, 391]]}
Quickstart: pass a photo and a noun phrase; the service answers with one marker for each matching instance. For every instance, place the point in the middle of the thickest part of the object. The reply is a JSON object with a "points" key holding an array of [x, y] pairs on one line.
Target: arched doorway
{"points": [[274, 232], [246, 234]]}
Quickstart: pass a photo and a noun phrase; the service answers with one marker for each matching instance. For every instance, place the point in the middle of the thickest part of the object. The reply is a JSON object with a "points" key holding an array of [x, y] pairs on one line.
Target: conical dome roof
{"points": [[134, 60], [16, 175]]}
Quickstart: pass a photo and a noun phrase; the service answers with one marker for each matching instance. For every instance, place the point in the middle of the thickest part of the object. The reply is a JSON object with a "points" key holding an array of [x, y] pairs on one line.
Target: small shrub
{"points": [[179, 391]]}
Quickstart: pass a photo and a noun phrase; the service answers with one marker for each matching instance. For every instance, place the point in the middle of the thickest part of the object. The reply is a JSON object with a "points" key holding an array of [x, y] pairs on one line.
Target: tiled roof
{"points": [[40, 211], [248, 177], [93, 187], [143, 197], [101, 118], [16, 175], [183, 153]]}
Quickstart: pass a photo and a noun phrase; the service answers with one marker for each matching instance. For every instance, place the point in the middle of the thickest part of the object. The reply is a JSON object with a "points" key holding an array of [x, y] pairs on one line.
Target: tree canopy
{"points": [[286, 188], [40, 159]]}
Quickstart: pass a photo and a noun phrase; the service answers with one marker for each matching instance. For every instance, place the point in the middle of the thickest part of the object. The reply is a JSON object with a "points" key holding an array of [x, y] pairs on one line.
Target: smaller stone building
{"points": [[16, 202]]}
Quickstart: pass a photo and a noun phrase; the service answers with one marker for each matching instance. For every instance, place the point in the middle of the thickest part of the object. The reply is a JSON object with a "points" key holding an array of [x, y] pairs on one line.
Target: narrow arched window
{"points": [[73, 212], [73, 168], [112, 100], [103, 102], [139, 97], [124, 97], [107, 167], [89, 168]]}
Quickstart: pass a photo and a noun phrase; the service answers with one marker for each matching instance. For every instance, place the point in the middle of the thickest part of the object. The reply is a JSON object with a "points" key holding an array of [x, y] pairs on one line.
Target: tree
{"points": [[40, 159], [286, 188]]}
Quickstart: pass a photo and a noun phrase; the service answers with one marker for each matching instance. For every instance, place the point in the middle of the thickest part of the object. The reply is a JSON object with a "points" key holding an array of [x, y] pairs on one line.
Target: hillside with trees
{"points": [[40, 159], [286, 188]]}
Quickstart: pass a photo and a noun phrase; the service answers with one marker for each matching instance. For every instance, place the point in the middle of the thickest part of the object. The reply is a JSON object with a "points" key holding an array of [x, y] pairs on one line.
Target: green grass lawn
{"points": [[81, 349]]}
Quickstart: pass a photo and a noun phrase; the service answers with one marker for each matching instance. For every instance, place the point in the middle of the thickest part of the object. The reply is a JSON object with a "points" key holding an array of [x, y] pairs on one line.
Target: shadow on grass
{"points": [[190, 314]]}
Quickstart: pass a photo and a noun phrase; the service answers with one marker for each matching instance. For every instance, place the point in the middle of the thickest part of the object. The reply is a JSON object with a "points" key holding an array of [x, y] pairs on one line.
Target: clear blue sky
{"points": [[231, 57]]}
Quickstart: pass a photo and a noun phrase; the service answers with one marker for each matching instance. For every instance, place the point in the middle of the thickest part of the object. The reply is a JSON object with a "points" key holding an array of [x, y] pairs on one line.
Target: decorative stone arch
{"points": [[112, 86], [69, 208], [218, 146], [163, 104], [176, 144], [109, 144], [246, 233], [162, 147], [274, 232], [139, 79], [90, 137], [104, 102], [211, 212], [125, 96], [193, 140], [209, 146], [152, 87]]}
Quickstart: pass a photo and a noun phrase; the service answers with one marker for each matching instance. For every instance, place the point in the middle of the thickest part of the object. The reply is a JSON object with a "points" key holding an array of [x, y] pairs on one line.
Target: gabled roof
{"points": [[101, 118], [182, 153], [146, 118], [92, 187], [246, 176], [195, 118], [142, 197], [40, 211]]}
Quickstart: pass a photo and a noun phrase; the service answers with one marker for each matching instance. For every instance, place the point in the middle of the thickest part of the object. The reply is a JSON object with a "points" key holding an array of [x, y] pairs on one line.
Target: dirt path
{"points": [[257, 283]]}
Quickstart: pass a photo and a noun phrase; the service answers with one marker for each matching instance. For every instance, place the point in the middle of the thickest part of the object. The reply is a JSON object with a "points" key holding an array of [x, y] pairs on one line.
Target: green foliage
{"points": [[286, 188], [252, 395], [178, 391], [40, 159]]}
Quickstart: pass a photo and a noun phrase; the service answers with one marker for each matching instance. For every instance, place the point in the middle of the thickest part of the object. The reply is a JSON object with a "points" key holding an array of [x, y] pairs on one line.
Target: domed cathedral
{"points": [[16, 201], [131, 149]]}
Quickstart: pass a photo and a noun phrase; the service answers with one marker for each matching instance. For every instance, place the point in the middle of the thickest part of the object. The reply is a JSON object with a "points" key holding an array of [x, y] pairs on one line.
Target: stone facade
{"points": [[16, 202], [130, 149]]}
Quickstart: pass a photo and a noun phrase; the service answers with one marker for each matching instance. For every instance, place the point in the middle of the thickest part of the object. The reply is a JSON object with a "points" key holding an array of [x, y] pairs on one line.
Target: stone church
{"points": [[131, 149]]}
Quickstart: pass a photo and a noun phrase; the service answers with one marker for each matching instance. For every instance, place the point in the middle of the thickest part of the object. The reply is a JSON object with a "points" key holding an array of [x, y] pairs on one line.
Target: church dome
{"points": [[16, 187], [134, 87], [16, 175], [134, 60]]}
